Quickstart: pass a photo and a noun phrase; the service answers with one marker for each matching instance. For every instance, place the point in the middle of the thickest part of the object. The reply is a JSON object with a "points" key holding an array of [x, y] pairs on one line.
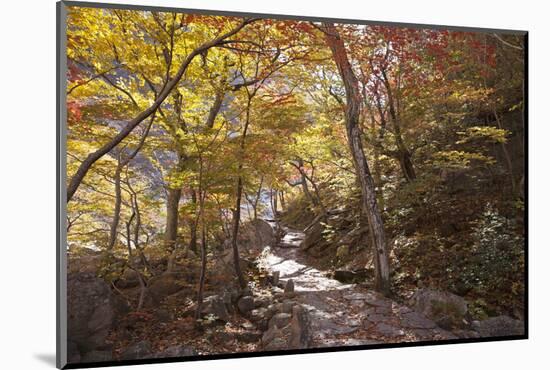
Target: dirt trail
{"points": [[345, 314]]}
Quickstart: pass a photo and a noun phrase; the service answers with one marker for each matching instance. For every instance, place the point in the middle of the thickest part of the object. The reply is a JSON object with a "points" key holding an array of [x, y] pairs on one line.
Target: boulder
{"points": [[300, 336], [355, 276], [287, 306], [275, 278], [87, 261], [289, 287], [264, 232], [256, 234], [177, 351], [137, 351], [276, 344], [313, 235], [280, 320], [128, 279], [248, 337], [258, 314], [245, 304], [446, 309], [342, 251], [215, 305], [164, 285], [89, 311], [500, 326]]}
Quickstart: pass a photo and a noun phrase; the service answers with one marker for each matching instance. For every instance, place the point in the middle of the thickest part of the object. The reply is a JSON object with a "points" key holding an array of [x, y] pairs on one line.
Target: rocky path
{"points": [[344, 314]]}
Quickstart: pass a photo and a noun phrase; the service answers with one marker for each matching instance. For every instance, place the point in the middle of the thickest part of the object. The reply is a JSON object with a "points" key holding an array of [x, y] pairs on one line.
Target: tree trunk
{"points": [[116, 214], [274, 194], [403, 153], [235, 231], [238, 197], [368, 196], [193, 225], [305, 187], [171, 233]]}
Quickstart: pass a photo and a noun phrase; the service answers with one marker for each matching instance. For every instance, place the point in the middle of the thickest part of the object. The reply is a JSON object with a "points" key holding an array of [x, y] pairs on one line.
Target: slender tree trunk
{"points": [[305, 186], [282, 197], [235, 231], [238, 197], [203, 272], [118, 193], [116, 214], [507, 157], [200, 218], [274, 194], [171, 233], [403, 153], [193, 225], [368, 196]]}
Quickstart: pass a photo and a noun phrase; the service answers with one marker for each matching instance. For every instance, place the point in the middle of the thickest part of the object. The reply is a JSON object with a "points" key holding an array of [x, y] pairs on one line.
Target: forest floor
{"points": [[344, 314]]}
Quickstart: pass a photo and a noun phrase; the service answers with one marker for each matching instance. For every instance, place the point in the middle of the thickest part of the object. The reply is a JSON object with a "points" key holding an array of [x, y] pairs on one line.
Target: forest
{"points": [[241, 184]]}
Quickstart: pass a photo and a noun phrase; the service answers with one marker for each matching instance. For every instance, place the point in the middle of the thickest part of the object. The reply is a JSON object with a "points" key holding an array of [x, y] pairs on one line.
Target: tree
{"points": [[162, 95], [368, 196]]}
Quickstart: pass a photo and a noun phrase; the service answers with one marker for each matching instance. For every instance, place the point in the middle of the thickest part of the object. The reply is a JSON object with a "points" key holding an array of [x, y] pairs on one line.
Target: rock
{"points": [[121, 306], [164, 315], [289, 286], [446, 309], [466, 334], [274, 308], [177, 351], [97, 356], [370, 298], [246, 292], [500, 326], [137, 351], [248, 337], [313, 235], [261, 302], [89, 311], [214, 305], [350, 277], [128, 279], [258, 314], [256, 234], [342, 251], [299, 328], [280, 320], [272, 333], [164, 285], [275, 278], [349, 342], [416, 321], [389, 330], [287, 306], [245, 304], [276, 344], [88, 262]]}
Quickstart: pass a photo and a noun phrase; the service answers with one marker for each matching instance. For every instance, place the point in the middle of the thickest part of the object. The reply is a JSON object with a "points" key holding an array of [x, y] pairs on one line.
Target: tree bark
{"points": [[403, 153], [193, 225], [106, 148], [368, 196], [238, 197], [118, 193], [171, 234]]}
